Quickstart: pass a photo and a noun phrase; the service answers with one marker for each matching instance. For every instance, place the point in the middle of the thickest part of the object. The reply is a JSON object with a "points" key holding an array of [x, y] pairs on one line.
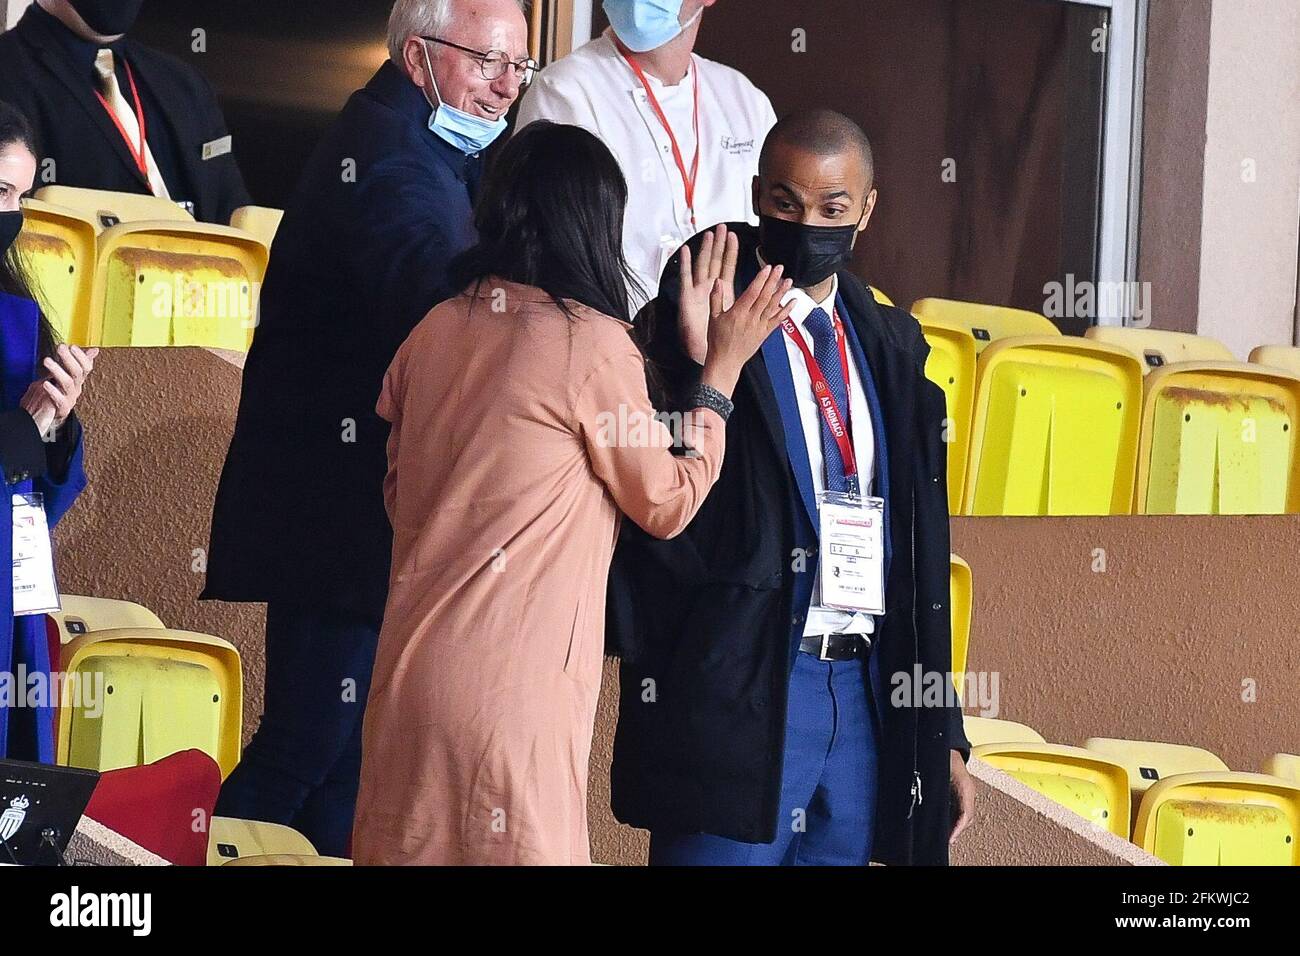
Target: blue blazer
{"points": [[27, 733], [383, 208]]}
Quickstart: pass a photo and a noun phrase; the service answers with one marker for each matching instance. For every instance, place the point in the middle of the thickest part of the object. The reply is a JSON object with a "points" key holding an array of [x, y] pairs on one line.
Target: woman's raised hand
{"points": [[737, 331], [719, 252]]}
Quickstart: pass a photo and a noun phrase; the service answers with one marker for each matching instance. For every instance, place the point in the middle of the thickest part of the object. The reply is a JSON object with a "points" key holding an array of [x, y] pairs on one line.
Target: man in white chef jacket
{"points": [[685, 130]]}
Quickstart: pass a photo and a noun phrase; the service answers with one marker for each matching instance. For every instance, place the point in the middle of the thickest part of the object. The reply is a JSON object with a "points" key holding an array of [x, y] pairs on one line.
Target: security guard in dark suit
{"points": [[114, 114]]}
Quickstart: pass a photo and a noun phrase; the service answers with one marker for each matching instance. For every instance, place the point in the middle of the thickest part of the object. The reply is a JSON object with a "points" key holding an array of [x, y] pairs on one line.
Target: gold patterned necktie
{"points": [[106, 68]]}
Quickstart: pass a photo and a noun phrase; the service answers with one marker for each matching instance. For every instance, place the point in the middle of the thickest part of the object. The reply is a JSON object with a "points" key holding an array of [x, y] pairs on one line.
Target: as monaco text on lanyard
{"points": [[852, 553]]}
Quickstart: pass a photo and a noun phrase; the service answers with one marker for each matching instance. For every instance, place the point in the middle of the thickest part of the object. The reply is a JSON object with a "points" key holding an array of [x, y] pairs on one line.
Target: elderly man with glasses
{"points": [[384, 205]]}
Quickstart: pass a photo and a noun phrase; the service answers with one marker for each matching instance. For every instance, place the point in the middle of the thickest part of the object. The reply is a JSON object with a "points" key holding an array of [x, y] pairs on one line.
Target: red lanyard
{"points": [[139, 155], [835, 420], [688, 179]]}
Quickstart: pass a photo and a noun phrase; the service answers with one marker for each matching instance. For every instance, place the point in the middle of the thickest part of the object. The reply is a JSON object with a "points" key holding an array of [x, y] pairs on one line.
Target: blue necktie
{"points": [[826, 352]]}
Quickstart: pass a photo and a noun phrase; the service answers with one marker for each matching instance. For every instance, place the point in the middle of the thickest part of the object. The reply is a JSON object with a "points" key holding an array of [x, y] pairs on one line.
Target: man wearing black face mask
{"points": [[769, 653], [114, 114]]}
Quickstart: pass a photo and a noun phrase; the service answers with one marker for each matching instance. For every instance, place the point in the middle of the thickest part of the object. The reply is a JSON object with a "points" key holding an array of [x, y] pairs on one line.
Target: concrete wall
{"points": [[1251, 200], [1017, 826], [94, 843], [1220, 199], [1186, 632]]}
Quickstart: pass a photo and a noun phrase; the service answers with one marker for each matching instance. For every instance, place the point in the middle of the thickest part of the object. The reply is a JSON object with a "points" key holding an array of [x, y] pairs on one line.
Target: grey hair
{"points": [[426, 18]]}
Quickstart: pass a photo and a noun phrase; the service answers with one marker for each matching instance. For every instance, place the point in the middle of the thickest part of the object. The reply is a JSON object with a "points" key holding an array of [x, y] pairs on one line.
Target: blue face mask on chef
{"points": [[466, 132], [645, 25]]}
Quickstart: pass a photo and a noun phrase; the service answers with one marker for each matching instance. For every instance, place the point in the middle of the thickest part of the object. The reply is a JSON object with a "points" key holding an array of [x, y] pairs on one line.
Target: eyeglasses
{"points": [[493, 63]]}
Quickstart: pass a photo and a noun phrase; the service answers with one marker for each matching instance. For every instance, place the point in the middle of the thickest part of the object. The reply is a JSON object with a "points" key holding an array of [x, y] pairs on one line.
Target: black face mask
{"points": [[108, 17], [11, 223], [810, 254]]}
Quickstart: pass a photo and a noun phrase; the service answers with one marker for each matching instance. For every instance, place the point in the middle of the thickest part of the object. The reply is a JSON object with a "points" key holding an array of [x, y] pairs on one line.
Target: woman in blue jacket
{"points": [[40, 450]]}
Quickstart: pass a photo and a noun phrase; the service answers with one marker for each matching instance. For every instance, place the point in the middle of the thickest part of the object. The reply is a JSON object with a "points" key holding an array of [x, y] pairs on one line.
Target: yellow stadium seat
{"points": [[1285, 357], [146, 693], [986, 323], [1156, 348], [951, 366], [57, 246], [1148, 761], [230, 838], [289, 859], [1286, 766], [960, 600], [1219, 438], [262, 222], [81, 615], [990, 730], [176, 283], [107, 209], [881, 297], [1221, 819], [1095, 788], [1054, 429]]}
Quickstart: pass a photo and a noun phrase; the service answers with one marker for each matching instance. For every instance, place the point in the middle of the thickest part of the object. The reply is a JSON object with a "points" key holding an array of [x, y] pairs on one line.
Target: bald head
{"points": [[815, 170], [822, 133]]}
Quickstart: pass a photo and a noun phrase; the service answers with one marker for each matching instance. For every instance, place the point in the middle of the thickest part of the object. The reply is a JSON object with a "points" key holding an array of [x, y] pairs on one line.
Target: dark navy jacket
{"points": [[359, 259], [708, 624]]}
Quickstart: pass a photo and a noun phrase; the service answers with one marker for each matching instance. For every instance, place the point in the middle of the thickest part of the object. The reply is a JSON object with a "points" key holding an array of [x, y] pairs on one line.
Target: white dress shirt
{"points": [[595, 88], [824, 620]]}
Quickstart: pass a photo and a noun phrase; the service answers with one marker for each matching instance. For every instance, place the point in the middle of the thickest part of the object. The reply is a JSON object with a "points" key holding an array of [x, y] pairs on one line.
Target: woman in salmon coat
{"points": [[521, 431]]}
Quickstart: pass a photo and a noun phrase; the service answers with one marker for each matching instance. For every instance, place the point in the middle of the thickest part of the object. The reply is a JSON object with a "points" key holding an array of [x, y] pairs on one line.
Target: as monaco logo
{"points": [[13, 817]]}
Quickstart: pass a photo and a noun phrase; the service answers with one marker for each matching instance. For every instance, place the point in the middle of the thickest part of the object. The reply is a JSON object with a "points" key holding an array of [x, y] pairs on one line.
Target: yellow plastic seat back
{"points": [[991, 730], [58, 250], [1095, 788], [81, 615], [1149, 761], [986, 323], [951, 366], [165, 283], [261, 222], [289, 859], [1054, 429], [1219, 438], [1156, 348], [960, 599], [106, 209], [1286, 766], [1221, 819], [1285, 357], [881, 297], [230, 838], [136, 695]]}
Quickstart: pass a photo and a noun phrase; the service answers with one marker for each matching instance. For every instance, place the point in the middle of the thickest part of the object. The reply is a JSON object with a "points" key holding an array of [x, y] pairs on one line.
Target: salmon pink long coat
{"points": [[519, 436]]}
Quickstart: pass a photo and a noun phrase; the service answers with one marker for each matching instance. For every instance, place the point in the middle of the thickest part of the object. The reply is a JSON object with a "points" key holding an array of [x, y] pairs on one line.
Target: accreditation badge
{"points": [[852, 554], [35, 591]]}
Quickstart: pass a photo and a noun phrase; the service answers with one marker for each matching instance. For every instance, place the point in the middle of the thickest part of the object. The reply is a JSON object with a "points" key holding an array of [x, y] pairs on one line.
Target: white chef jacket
{"points": [[595, 88], [827, 620]]}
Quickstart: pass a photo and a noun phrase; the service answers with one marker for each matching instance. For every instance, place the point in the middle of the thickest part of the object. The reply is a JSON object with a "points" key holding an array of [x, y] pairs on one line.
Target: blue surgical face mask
{"points": [[645, 25], [468, 133]]}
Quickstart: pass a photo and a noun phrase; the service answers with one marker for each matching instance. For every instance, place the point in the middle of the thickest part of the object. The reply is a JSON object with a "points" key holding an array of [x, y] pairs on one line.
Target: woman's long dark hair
{"points": [[15, 130], [550, 215]]}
